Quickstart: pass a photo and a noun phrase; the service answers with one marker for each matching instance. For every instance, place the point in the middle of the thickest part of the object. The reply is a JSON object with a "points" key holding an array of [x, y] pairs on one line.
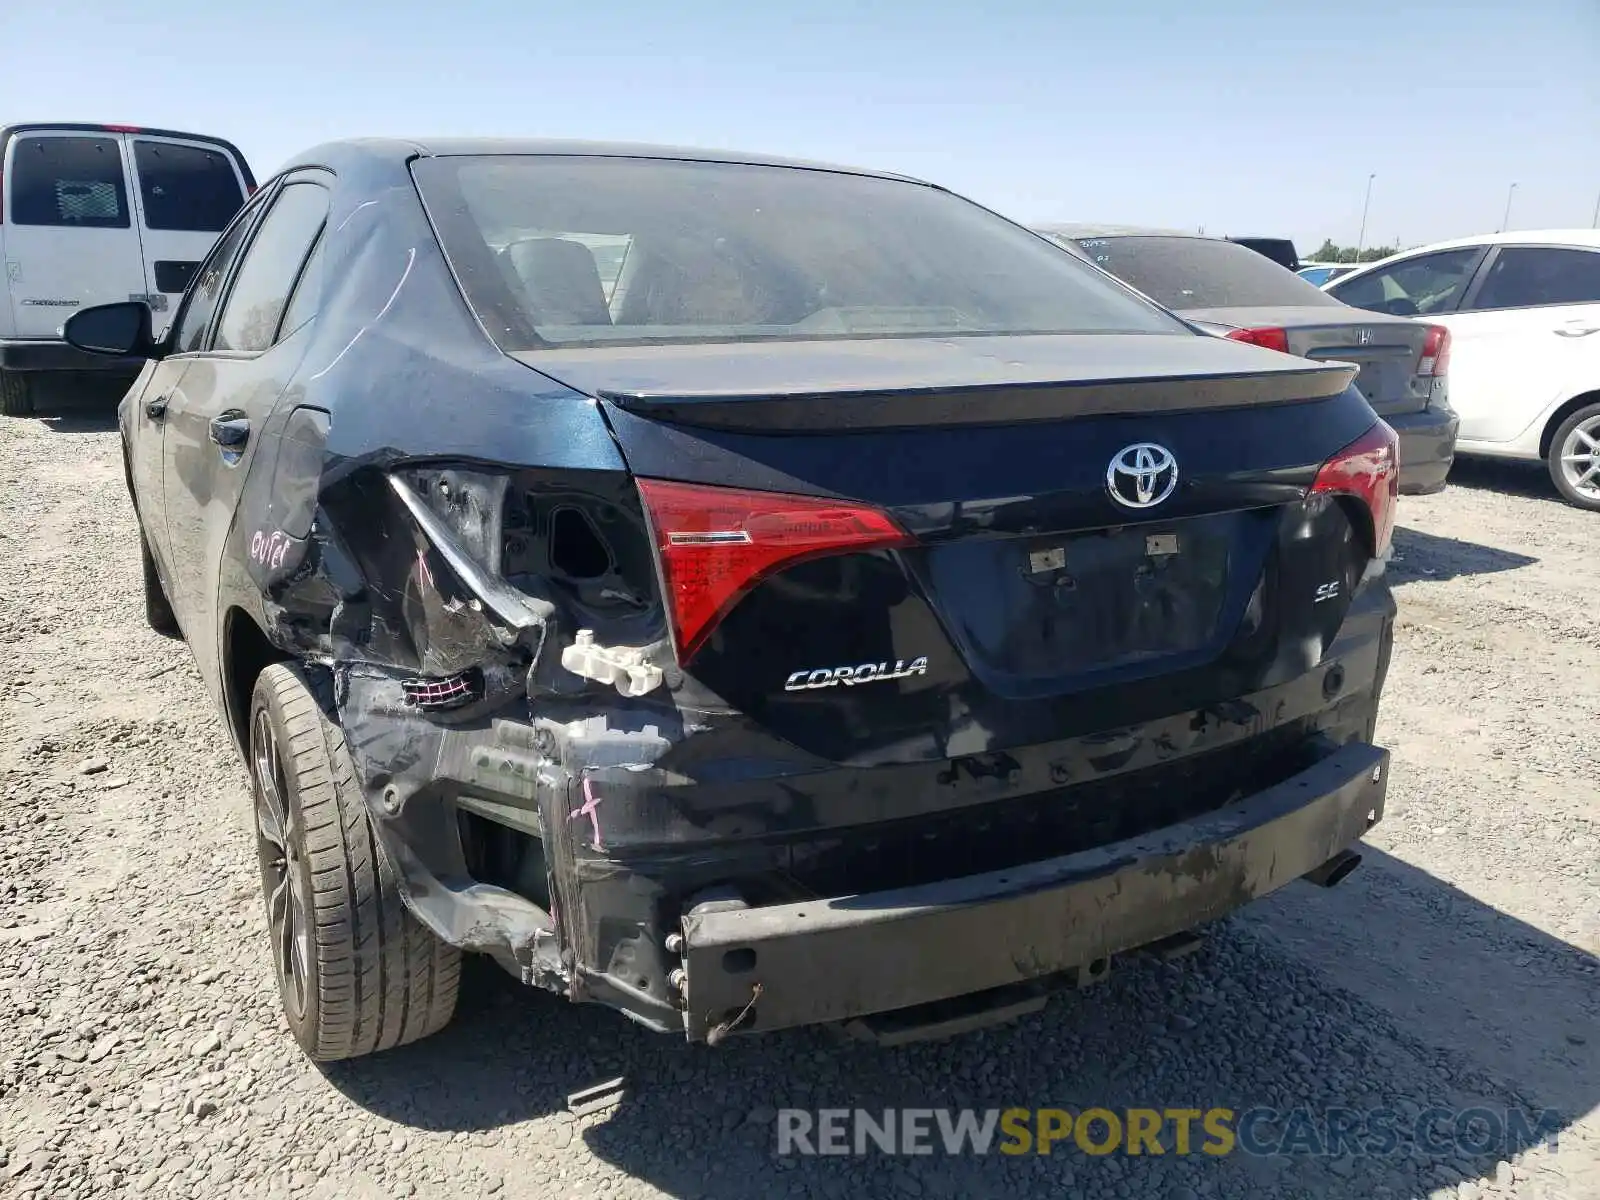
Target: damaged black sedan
{"points": [[743, 593]]}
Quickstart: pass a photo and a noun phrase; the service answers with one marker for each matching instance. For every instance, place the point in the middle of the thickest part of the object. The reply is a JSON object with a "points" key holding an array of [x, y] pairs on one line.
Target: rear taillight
{"points": [[1272, 339], [1369, 469], [1435, 352], [715, 544]]}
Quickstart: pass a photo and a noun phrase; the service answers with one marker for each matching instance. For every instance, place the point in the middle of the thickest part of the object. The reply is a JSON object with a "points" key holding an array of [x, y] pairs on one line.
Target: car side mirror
{"points": [[121, 330]]}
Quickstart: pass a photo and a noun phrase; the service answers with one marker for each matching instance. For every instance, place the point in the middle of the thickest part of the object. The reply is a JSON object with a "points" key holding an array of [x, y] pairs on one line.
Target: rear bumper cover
{"points": [[847, 957], [1427, 448], [40, 354]]}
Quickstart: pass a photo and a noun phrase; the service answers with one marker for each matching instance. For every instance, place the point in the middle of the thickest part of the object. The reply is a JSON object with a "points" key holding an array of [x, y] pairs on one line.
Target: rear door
{"points": [[70, 236], [217, 414], [185, 194], [1527, 336]]}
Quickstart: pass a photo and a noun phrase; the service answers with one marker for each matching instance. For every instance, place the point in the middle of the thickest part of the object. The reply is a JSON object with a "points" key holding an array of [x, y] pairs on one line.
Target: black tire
{"points": [[368, 976], [157, 610], [16, 394], [1588, 418]]}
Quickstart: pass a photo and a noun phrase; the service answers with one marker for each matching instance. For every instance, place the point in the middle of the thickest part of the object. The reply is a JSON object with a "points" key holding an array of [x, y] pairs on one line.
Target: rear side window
{"points": [[71, 182], [271, 264], [186, 187], [1428, 283], [1525, 276], [1193, 272], [303, 304], [200, 303]]}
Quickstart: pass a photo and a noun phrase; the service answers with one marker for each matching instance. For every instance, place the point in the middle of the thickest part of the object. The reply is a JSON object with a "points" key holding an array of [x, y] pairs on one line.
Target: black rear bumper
{"points": [[836, 959], [41, 354], [1427, 448]]}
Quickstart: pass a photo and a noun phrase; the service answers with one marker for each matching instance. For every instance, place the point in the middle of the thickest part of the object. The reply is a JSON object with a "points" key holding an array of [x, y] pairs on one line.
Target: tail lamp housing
{"points": [[1368, 469], [715, 544], [1435, 352], [1268, 337]]}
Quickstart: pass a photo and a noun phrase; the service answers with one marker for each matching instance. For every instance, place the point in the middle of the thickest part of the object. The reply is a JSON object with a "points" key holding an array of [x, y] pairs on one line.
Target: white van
{"points": [[91, 214]]}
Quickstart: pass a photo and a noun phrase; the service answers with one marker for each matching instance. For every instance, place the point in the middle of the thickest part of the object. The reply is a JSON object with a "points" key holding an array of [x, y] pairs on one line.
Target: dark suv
{"points": [[743, 593]]}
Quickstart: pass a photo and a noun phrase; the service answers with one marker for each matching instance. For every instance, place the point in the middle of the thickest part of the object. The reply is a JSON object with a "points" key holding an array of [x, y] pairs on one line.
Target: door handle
{"points": [[1573, 329], [156, 409], [230, 431]]}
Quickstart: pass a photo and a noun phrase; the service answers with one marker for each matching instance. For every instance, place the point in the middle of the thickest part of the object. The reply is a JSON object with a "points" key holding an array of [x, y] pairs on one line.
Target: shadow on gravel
{"points": [[1393, 992], [1421, 555], [72, 405], [1513, 476]]}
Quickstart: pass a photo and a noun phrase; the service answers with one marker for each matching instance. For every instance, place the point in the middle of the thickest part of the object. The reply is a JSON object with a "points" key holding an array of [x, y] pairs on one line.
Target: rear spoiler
{"points": [[989, 404]]}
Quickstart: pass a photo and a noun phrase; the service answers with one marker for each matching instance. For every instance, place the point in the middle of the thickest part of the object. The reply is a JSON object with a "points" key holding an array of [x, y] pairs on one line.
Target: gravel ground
{"points": [[142, 1053]]}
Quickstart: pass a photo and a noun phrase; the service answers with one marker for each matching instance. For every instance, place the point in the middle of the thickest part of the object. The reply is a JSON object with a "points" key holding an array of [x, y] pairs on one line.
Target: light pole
{"points": [[1596, 222], [1361, 238], [1506, 220]]}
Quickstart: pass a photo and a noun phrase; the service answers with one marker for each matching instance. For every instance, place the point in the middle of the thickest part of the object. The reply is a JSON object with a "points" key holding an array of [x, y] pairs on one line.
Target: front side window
{"points": [[1525, 276], [271, 264], [1428, 283], [70, 182], [186, 187], [1186, 273], [589, 250]]}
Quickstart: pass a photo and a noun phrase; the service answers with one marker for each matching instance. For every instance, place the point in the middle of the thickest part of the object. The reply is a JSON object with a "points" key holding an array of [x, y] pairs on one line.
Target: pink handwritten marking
{"points": [[269, 549], [590, 802]]}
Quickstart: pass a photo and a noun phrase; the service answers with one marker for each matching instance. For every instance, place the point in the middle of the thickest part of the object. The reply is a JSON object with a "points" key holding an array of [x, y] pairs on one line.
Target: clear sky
{"points": [[1239, 116]]}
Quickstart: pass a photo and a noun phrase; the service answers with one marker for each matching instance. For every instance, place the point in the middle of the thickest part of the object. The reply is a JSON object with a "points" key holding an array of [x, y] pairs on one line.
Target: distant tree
{"points": [[1329, 252]]}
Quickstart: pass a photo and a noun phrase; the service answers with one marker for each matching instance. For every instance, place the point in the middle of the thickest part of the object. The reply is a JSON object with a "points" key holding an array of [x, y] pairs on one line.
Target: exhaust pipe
{"points": [[1334, 871]]}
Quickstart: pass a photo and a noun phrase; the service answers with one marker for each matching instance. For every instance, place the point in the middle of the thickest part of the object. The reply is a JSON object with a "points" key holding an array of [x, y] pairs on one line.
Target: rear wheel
{"points": [[16, 394], [1574, 458], [157, 609], [357, 973]]}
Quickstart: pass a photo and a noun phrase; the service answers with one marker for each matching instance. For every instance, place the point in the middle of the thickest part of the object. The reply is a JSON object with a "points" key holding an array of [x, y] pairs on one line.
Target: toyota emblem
{"points": [[1142, 475]]}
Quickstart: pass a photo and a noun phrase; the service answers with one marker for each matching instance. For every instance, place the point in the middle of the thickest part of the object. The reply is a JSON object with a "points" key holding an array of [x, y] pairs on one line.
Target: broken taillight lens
{"points": [[1369, 469], [715, 544]]}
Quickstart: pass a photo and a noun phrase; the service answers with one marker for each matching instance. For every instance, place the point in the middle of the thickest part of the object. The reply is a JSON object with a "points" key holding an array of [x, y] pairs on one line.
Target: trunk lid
{"points": [[1026, 586], [1388, 350]]}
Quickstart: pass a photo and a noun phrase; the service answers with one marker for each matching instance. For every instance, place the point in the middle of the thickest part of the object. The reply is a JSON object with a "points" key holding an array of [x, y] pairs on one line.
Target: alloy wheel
{"points": [[1580, 458]]}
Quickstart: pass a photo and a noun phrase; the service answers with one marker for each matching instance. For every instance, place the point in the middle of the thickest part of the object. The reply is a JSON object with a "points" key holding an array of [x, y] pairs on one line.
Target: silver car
{"points": [[1237, 293]]}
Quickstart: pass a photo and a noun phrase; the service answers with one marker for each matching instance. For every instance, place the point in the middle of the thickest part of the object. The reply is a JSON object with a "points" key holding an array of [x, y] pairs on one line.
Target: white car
{"points": [[91, 214], [1523, 310]]}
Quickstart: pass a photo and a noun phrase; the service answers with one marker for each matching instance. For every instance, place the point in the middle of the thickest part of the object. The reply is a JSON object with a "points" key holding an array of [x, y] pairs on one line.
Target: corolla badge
{"points": [[824, 677], [1142, 475]]}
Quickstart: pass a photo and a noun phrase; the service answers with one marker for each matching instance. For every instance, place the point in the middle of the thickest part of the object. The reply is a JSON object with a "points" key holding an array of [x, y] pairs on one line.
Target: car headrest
{"points": [[561, 281]]}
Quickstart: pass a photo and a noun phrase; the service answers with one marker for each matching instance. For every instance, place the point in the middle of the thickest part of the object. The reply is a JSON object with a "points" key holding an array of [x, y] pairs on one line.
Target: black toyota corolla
{"points": [[743, 593]]}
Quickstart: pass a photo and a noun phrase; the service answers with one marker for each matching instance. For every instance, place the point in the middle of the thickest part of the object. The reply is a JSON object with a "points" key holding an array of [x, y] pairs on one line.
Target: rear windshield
{"points": [[75, 182], [186, 187], [1186, 273], [591, 250]]}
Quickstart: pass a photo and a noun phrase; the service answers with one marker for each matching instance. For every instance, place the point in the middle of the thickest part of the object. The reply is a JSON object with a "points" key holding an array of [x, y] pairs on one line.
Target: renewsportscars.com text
{"points": [[1331, 1132]]}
